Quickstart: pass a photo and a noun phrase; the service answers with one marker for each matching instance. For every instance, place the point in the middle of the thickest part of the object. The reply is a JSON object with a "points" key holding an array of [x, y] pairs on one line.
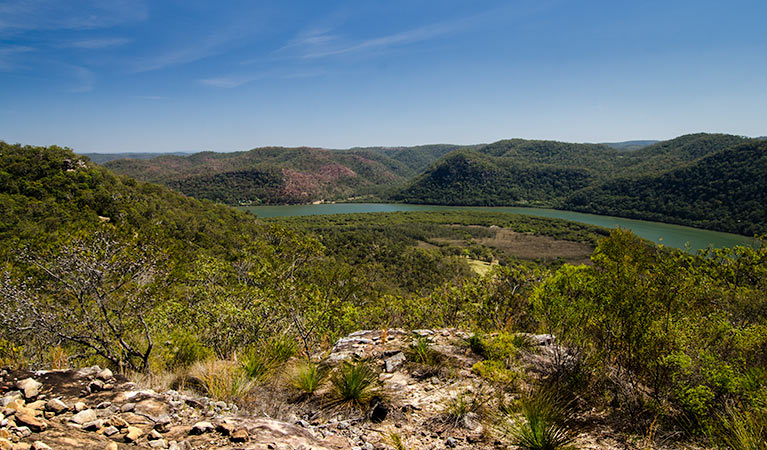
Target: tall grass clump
{"points": [[462, 406], [742, 429], [260, 361], [355, 383], [219, 379], [306, 377], [544, 421]]}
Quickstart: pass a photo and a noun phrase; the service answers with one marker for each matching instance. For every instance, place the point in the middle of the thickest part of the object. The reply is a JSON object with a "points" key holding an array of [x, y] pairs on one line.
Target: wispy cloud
{"points": [[84, 79], [325, 43], [8, 54], [233, 81], [94, 44], [26, 15]]}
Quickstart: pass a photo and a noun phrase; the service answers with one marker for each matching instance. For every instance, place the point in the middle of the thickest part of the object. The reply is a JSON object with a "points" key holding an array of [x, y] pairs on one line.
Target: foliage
{"points": [[743, 429], [463, 405], [421, 351], [306, 376], [184, 349], [220, 379], [355, 383], [260, 361], [93, 291], [546, 423]]}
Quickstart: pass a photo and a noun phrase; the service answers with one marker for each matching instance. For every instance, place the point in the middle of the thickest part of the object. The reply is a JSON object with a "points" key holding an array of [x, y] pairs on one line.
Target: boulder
{"points": [[134, 434], [30, 421], [56, 405], [105, 375], [29, 387], [84, 416]]}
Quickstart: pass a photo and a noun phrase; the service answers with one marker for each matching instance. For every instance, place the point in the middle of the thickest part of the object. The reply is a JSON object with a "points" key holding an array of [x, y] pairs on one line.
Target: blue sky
{"points": [[186, 75]]}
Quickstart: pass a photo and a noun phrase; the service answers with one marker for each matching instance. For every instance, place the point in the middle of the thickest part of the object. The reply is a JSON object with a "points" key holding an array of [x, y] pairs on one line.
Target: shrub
{"points": [[355, 383], [306, 376], [545, 423], [496, 371], [183, 350]]}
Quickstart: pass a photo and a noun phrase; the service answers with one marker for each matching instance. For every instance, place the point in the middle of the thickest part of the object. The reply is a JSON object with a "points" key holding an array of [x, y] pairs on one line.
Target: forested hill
{"points": [[49, 192], [276, 175], [724, 191], [711, 181]]}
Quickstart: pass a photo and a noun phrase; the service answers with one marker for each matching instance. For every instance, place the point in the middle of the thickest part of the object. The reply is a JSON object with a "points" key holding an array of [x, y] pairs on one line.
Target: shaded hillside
{"points": [[276, 175], [725, 191], [471, 178]]}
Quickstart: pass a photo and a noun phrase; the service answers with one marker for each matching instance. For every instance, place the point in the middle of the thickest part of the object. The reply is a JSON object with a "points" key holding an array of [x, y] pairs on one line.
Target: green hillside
{"points": [[276, 175], [725, 191]]}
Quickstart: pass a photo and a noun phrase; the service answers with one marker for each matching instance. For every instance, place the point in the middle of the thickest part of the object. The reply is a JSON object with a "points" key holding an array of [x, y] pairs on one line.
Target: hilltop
{"points": [[277, 175]]}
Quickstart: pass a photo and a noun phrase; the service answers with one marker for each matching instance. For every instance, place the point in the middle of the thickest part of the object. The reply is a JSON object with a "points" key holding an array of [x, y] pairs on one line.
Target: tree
{"points": [[92, 291]]}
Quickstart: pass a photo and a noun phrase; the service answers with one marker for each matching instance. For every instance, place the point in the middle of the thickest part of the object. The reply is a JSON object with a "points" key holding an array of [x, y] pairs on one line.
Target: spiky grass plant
{"points": [[421, 351], [355, 383], [544, 422], [741, 429], [306, 376]]}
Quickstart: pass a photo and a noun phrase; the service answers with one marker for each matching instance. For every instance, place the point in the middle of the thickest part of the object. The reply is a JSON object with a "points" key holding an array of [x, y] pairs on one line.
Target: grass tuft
{"points": [[306, 377], [355, 383], [544, 422]]}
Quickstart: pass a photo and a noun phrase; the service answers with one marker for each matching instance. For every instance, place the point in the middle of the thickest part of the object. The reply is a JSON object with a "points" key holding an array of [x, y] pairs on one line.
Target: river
{"points": [[671, 235]]}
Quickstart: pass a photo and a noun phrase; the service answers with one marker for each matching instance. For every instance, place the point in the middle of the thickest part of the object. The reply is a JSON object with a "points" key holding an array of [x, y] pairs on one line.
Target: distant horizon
{"points": [[375, 146], [110, 76]]}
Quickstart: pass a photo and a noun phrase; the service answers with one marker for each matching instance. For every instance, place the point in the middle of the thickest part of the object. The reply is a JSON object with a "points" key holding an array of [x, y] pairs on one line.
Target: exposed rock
{"points": [[40, 445], [84, 416], [159, 443], [105, 375], [110, 431], [111, 446], [202, 428], [29, 387], [30, 421], [5, 444], [134, 434], [239, 435], [56, 405], [393, 362]]}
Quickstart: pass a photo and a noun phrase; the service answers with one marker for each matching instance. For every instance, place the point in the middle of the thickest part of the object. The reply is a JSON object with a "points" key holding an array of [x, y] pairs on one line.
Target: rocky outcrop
{"points": [[92, 409]]}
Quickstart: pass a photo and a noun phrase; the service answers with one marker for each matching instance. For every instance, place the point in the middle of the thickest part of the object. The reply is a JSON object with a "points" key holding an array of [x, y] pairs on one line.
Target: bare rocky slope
{"points": [[92, 408]]}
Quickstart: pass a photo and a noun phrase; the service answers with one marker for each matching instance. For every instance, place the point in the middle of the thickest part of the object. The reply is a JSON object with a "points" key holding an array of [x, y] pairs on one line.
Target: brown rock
{"points": [[5, 434], [40, 445], [29, 387], [117, 422], [38, 405], [104, 375], [32, 422], [5, 444], [134, 433], [84, 416], [111, 446], [22, 446], [239, 435]]}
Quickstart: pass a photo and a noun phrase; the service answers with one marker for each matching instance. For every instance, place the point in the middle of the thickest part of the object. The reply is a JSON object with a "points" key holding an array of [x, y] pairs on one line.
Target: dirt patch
{"points": [[529, 246]]}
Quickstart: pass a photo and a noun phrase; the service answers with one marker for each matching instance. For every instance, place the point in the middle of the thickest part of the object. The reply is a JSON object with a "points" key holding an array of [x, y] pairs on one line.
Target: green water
{"points": [[663, 233]]}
